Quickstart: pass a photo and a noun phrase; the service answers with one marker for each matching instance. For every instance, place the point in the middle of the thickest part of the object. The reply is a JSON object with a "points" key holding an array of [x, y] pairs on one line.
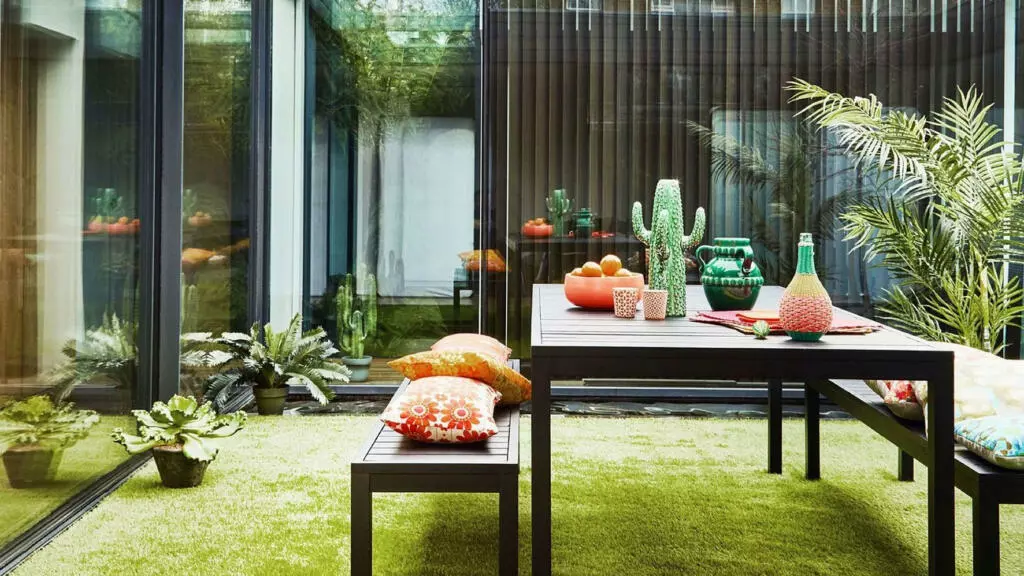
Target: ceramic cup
{"points": [[655, 302], [625, 302]]}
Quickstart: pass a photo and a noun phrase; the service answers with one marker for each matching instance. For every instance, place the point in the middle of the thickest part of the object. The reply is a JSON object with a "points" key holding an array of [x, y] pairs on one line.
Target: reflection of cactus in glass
{"points": [[189, 308], [559, 210], [666, 243], [355, 336], [348, 303]]}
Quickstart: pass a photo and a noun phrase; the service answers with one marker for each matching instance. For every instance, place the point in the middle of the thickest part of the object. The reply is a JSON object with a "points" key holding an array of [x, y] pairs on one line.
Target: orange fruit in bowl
{"points": [[623, 273], [577, 272], [610, 264], [592, 270]]}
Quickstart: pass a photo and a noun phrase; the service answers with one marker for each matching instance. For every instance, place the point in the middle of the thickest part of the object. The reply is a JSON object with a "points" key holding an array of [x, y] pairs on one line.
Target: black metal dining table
{"points": [[570, 343]]}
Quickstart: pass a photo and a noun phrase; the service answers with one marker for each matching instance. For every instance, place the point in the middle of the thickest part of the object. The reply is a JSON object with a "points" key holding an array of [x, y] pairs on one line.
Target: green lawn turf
{"points": [[87, 460], [631, 496]]}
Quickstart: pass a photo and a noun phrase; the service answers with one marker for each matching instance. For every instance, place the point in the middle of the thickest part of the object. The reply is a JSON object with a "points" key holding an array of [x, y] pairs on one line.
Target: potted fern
{"points": [[33, 435], [271, 362], [183, 436]]}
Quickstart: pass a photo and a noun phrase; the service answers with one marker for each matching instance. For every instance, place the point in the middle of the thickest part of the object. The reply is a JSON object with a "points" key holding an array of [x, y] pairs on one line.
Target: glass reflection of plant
{"points": [[389, 75], [106, 353], [955, 221], [33, 435], [788, 175]]}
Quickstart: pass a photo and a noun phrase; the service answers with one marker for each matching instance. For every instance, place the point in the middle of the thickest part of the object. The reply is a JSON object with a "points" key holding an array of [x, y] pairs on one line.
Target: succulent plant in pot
{"points": [[274, 361], [184, 437], [33, 435]]}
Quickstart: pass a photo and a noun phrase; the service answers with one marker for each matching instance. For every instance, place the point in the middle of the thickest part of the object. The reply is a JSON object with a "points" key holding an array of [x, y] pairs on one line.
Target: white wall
{"points": [[427, 204], [60, 51], [286, 160]]}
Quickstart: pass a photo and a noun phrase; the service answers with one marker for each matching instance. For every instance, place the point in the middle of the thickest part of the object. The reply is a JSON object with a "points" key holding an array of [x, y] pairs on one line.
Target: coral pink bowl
{"points": [[596, 293]]}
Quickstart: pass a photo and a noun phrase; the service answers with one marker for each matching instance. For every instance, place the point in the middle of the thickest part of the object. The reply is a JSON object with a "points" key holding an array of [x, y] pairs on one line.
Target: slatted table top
{"points": [[564, 331], [389, 452]]}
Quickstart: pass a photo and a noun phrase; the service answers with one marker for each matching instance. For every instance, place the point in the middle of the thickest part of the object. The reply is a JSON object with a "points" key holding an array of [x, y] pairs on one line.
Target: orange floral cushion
{"points": [[513, 386], [474, 343], [444, 409]]}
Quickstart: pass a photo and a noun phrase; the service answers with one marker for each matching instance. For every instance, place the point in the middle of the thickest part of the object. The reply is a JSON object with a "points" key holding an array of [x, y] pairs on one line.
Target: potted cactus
{"points": [[357, 321], [183, 436], [33, 435]]}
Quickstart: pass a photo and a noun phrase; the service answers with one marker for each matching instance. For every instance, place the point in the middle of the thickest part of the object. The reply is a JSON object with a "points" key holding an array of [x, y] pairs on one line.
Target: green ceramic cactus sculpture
{"points": [[559, 210], [666, 243]]}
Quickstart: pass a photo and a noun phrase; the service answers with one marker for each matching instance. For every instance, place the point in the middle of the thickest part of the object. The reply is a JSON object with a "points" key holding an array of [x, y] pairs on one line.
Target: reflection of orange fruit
{"points": [[610, 264], [577, 272], [623, 273], [592, 269]]}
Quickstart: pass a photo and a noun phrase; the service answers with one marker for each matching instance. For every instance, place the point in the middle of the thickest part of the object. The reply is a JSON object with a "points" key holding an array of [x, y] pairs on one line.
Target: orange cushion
{"points": [[444, 409], [513, 386], [475, 343]]}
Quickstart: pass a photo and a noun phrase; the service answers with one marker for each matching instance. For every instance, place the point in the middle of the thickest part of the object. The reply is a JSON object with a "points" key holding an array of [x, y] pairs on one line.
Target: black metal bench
{"points": [[390, 462], [987, 485]]}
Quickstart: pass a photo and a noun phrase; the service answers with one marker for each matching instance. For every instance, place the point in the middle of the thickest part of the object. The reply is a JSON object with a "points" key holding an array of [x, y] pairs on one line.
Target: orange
{"points": [[623, 273], [610, 264], [592, 270], [577, 272]]}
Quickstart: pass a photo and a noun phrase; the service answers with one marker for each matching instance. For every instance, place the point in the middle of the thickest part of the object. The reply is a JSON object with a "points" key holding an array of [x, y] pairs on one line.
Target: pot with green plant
{"points": [[357, 322], [271, 362], [34, 433], [184, 437]]}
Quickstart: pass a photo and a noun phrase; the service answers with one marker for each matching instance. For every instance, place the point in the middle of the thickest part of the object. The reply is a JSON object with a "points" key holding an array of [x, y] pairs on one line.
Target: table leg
{"points": [[362, 526], [812, 427], [540, 436], [775, 426], [941, 544], [905, 467]]}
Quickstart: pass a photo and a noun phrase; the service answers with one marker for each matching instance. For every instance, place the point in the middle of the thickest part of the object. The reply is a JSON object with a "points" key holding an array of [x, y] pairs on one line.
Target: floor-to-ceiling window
{"points": [[391, 203], [215, 225], [69, 246]]}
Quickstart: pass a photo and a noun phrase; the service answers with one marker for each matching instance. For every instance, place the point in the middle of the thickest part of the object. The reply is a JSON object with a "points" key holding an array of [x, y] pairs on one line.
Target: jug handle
{"points": [[700, 260]]}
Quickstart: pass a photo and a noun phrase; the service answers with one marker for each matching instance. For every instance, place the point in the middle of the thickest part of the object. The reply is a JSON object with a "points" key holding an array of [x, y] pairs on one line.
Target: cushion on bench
{"points": [[513, 386], [998, 439], [444, 409]]}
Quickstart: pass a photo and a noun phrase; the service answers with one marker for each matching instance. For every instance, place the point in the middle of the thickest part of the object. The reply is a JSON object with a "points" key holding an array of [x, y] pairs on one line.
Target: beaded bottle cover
{"points": [[805, 311]]}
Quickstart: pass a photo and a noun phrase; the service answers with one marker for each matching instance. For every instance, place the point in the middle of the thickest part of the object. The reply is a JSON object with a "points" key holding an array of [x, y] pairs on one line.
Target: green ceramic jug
{"points": [[731, 278], [584, 223]]}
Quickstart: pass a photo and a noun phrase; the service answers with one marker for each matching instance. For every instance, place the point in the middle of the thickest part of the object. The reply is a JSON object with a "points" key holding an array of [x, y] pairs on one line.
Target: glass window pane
{"points": [[69, 249], [215, 200]]}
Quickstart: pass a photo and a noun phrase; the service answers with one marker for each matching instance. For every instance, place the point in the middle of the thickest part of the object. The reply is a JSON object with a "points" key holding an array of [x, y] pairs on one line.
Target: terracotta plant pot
{"points": [[270, 401], [596, 292], [360, 368], [177, 471], [31, 466]]}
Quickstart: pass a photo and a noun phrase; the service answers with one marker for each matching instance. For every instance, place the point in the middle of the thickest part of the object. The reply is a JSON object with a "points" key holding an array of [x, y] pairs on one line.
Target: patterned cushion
{"points": [[444, 409], [474, 343], [998, 439], [899, 396], [514, 388]]}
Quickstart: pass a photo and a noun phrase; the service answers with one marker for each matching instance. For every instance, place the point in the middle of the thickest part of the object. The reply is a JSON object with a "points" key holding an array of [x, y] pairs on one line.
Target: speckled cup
{"points": [[655, 303], [625, 302]]}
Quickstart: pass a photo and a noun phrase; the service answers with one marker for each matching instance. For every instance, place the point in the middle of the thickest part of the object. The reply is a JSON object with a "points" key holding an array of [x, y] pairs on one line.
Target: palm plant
{"points": [[955, 221], [788, 185], [274, 361]]}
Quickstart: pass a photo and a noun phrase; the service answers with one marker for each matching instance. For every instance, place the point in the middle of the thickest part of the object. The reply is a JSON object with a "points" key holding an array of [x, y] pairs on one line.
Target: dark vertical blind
{"points": [[598, 102]]}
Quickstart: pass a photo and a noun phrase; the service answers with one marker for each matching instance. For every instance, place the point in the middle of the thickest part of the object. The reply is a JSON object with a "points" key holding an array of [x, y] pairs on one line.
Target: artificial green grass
{"points": [[82, 463], [631, 496]]}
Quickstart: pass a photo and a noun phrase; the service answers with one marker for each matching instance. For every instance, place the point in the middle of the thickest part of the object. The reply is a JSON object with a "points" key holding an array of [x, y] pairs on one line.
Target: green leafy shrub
{"points": [[275, 360], [181, 422], [36, 421]]}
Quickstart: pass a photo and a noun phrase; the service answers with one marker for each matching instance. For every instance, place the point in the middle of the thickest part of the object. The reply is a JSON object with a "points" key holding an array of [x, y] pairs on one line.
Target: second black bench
{"points": [[987, 484]]}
